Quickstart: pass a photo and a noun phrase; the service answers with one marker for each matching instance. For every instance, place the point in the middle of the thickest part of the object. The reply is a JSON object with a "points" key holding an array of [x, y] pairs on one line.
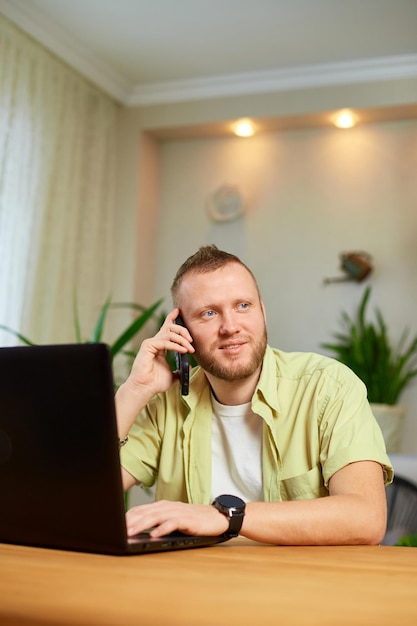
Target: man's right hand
{"points": [[150, 373]]}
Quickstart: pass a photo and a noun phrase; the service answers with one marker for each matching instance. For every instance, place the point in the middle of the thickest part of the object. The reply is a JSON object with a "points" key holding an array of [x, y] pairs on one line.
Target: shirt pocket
{"points": [[305, 486]]}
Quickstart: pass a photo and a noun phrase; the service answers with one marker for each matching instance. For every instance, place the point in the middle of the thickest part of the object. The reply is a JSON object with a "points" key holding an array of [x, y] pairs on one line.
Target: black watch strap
{"points": [[233, 508]]}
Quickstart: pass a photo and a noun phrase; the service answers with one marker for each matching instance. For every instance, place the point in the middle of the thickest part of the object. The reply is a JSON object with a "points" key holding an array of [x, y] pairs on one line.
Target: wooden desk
{"points": [[235, 583]]}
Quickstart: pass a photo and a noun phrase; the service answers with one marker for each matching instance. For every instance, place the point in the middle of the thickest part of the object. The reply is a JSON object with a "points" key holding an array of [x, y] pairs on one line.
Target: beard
{"points": [[232, 371]]}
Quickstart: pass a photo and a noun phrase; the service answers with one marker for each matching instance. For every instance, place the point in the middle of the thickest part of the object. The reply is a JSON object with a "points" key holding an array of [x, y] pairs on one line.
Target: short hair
{"points": [[206, 259]]}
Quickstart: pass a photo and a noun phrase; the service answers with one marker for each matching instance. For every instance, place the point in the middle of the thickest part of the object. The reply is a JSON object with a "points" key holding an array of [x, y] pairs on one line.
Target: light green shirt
{"points": [[316, 420]]}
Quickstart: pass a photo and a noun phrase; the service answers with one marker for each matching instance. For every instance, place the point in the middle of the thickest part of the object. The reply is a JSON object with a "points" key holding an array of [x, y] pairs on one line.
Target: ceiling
{"points": [[150, 51]]}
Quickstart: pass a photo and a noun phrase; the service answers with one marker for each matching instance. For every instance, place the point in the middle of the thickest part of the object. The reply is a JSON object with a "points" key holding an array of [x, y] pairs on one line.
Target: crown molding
{"points": [[92, 67], [67, 48], [301, 77]]}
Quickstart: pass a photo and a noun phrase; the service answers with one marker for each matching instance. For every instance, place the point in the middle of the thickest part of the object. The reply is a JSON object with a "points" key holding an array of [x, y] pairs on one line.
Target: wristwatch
{"points": [[234, 509]]}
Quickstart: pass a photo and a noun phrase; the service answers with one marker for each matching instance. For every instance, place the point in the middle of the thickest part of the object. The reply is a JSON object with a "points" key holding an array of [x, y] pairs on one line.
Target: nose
{"points": [[229, 323]]}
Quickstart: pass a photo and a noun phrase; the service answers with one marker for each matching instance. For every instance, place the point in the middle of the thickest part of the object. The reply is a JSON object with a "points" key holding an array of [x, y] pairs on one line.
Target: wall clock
{"points": [[225, 204]]}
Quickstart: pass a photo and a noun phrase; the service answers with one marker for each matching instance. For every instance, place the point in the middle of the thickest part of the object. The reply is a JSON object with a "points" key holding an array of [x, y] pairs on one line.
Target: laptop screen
{"points": [[59, 466], [60, 480]]}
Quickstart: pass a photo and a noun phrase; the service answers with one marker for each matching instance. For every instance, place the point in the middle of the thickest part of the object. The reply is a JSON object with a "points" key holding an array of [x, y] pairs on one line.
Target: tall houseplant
{"points": [[365, 347], [118, 346]]}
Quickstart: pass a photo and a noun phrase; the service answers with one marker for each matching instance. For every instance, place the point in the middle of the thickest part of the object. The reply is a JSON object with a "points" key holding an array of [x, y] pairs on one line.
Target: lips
{"points": [[232, 347]]}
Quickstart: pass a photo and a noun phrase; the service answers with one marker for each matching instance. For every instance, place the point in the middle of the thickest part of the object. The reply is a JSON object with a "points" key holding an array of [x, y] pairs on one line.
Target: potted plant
{"points": [[365, 347], [119, 344]]}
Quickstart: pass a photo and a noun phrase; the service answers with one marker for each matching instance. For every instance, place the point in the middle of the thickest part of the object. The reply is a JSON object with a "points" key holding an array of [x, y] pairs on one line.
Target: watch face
{"points": [[234, 509], [231, 502]]}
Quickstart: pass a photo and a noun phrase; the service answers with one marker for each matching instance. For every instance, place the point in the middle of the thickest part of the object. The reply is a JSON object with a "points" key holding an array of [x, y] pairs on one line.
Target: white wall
{"points": [[310, 195]]}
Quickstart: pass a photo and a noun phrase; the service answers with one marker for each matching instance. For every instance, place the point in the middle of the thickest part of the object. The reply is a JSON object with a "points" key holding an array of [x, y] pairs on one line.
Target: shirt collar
{"points": [[266, 389]]}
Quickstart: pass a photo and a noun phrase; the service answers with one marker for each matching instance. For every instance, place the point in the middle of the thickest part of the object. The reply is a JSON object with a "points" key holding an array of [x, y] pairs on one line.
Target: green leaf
{"points": [[21, 337], [98, 329], [365, 347], [408, 540], [97, 334], [133, 329], [128, 305], [77, 326]]}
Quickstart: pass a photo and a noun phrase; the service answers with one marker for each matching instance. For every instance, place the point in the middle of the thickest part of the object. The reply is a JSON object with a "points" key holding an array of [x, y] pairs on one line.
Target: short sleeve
{"points": [[349, 431]]}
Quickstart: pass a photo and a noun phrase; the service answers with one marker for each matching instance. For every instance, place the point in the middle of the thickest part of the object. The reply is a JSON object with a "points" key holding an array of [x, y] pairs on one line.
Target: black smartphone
{"points": [[183, 364]]}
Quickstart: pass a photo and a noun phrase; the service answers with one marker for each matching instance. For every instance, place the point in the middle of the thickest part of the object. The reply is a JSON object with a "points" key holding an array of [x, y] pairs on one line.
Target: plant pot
{"points": [[391, 421]]}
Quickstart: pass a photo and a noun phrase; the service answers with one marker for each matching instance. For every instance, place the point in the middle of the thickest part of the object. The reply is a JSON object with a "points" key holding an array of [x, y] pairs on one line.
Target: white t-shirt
{"points": [[236, 452]]}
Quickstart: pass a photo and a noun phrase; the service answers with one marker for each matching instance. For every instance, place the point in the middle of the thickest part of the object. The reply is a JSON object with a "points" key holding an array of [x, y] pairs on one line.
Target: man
{"points": [[290, 434]]}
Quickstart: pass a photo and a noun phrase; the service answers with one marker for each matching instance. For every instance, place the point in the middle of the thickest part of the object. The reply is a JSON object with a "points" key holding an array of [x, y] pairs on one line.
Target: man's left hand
{"points": [[165, 517]]}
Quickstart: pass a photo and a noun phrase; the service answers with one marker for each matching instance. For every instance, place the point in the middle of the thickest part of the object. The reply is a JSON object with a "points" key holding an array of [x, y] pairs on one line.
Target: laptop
{"points": [[60, 480]]}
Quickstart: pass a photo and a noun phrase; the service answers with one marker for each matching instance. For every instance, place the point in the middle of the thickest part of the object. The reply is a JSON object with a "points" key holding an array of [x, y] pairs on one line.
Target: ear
{"points": [[263, 310]]}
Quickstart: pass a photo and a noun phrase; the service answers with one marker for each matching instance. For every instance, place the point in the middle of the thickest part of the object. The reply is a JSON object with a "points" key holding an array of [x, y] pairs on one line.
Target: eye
{"points": [[243, 306], [209, 314]]}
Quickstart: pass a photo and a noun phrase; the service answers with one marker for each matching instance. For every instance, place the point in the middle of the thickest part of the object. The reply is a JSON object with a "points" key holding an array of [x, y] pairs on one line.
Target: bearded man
{"points": [[279, 447]]}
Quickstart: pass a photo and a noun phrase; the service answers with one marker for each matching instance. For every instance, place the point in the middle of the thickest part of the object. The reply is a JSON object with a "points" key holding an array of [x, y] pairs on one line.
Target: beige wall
{"points": [[310, 194]]}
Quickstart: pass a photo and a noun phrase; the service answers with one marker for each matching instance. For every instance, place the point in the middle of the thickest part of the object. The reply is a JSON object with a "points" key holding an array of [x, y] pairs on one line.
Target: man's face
{"points": [[226, 319]]}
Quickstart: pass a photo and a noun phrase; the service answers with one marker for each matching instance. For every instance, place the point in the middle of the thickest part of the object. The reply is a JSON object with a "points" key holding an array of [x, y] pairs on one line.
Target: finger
{"points": [[165, 528], [161, 516], [172, 316], [170, 321], [182, 331], [165, 340], [178, 345], [138, 520], [147, 516], [181, 337], [174, 333]]}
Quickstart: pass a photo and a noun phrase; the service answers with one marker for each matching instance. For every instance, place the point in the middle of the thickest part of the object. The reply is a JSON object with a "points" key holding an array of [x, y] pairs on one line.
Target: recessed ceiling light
{"points": [[344, 119], [243, 128]]}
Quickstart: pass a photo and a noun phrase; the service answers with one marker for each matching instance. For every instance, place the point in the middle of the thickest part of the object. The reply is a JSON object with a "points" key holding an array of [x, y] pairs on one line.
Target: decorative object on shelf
{"points": [[386, 370], [357, 265], [225, 204]]}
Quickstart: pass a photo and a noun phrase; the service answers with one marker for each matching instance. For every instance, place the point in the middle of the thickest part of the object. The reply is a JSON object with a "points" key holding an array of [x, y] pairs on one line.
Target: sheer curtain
{"points": [[58, 139]]}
